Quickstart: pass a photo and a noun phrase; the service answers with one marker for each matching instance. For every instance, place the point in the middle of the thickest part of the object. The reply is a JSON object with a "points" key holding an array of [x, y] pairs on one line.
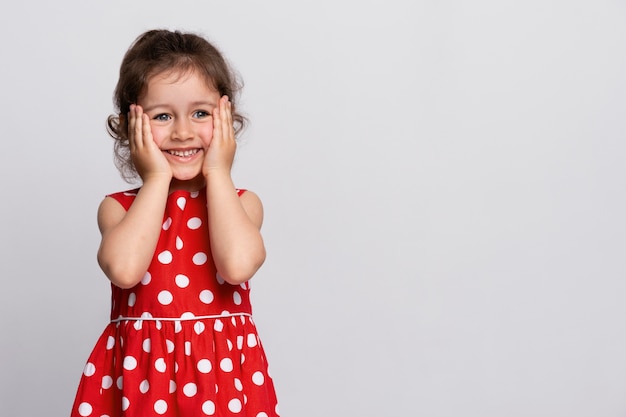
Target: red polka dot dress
{"points": [[182, 342]]}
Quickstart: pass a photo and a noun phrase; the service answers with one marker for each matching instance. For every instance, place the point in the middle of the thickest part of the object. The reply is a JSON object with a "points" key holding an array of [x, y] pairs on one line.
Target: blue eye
{"points": [[201, 114], [162, 117]]}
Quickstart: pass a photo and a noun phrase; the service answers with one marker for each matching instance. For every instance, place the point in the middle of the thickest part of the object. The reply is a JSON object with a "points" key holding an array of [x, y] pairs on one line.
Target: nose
{"points": [[182, 130]]}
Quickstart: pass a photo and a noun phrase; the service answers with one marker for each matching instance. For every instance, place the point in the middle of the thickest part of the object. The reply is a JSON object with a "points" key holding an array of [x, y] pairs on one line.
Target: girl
{"points": [[179, 251]]}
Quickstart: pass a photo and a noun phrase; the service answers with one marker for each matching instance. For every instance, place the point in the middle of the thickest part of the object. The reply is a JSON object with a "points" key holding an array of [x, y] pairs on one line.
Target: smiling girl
{"points": [[179, 250]]}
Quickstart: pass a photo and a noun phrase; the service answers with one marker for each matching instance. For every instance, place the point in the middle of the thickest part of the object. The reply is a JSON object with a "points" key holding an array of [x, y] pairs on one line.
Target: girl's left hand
{"points": [[220, 153]]}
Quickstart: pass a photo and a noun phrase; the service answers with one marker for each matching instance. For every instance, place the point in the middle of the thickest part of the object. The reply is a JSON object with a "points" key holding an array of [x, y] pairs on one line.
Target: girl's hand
{"points": [[148, 159], [220, 153]]}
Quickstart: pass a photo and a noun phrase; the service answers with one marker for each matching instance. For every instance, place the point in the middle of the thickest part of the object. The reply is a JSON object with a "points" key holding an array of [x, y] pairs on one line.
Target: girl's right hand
{"points": [[148, 159]]}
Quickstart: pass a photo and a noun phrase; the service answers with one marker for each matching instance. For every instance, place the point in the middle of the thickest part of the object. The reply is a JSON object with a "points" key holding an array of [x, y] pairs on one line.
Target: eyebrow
{"points": [[199, 103]]}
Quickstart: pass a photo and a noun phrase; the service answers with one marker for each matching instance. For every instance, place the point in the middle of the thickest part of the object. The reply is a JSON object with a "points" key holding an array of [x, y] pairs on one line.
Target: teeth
{"points": [[185, 153]]}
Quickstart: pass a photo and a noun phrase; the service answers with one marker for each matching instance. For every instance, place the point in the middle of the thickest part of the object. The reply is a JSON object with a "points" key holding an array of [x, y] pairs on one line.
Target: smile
{"points": [[186, 153]]}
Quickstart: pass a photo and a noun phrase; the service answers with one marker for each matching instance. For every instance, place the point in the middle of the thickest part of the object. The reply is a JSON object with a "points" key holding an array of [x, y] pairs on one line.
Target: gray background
{"points": [[443, 184]]}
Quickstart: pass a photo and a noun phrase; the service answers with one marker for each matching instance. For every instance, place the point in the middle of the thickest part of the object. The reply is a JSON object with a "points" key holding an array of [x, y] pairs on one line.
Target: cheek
{"points": [[158, 134], [206, 133]]}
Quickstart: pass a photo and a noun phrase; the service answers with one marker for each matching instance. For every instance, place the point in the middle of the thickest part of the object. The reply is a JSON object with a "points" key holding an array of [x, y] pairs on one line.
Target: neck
{"points": [[191, 185]]}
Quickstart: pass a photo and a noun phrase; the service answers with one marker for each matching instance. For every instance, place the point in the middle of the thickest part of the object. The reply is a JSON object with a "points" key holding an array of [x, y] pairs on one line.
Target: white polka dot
{"points": [[243, 358], [233, 320], [226, 365], [179, 243], [146, 278], [160, 407], [125, 403], [219, 278], [138, 324], [170, 346], [252, 340], [234, 405], [175, 367], [167, 223], [198, 327], [172, 386], [160, 365], [181, 202], [130, 363], [85, 409], [147, 345], [90, 369], [206, 296], [178, 327], [262, 414], [204, 366], [258, 378], [131, 299], [237, 298], [110, 342], [144, 386], [187, 316], [165, 297], [200, 258], [107, 382], [190, 389], [218, 326], [181, 280], [120, 382], [230, 344], [188, 348], [165, 257], [239, 342], [238, 384], [194, 194], [158, 324], [208, 408], [245, 399], [194, 223]]}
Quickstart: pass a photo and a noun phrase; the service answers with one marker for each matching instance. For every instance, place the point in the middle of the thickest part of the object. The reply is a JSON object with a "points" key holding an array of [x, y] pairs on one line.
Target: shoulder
{"points": [[125, 198], [114, 207], [252, 205], [249, 197]]}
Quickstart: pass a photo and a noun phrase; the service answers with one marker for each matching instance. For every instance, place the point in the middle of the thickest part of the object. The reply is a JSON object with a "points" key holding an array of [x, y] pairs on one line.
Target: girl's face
{"points": [[180, 105]]}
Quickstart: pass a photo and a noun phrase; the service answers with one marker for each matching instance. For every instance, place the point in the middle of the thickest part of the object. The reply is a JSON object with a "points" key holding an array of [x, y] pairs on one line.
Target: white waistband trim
{"points": [[185, 318]]}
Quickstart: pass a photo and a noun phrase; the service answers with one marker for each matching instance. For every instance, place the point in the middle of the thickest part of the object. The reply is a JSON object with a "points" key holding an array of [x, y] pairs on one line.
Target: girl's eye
{"points": [[201, 114], [162, 117]]}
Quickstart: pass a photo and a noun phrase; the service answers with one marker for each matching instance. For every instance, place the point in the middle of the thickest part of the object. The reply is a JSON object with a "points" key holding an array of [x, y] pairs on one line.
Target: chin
{"points": [[186, 175], [188, 180]]}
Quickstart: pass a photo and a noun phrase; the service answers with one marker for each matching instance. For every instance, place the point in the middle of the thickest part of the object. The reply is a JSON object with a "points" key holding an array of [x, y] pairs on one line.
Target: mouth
{"points": [[186, 153]]}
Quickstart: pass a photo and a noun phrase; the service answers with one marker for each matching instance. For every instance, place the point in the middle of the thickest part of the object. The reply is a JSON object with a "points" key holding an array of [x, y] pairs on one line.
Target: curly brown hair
{"points": [[155, 52]]}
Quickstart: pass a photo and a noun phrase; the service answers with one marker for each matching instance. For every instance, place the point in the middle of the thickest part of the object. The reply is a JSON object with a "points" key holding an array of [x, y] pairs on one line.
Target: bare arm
{"points": [[129, 239], [234, 226], [234, 222]]}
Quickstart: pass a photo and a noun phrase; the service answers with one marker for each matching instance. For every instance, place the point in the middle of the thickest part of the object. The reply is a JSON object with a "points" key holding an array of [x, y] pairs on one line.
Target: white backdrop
{"points": [[443, 185]]}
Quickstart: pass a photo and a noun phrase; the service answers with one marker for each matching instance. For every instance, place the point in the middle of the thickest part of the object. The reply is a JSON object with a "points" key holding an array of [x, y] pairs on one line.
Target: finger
{"points": [[138, 128], [146, 132], [217, 123], [229, 118], [226, 118], [131, 127]]}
